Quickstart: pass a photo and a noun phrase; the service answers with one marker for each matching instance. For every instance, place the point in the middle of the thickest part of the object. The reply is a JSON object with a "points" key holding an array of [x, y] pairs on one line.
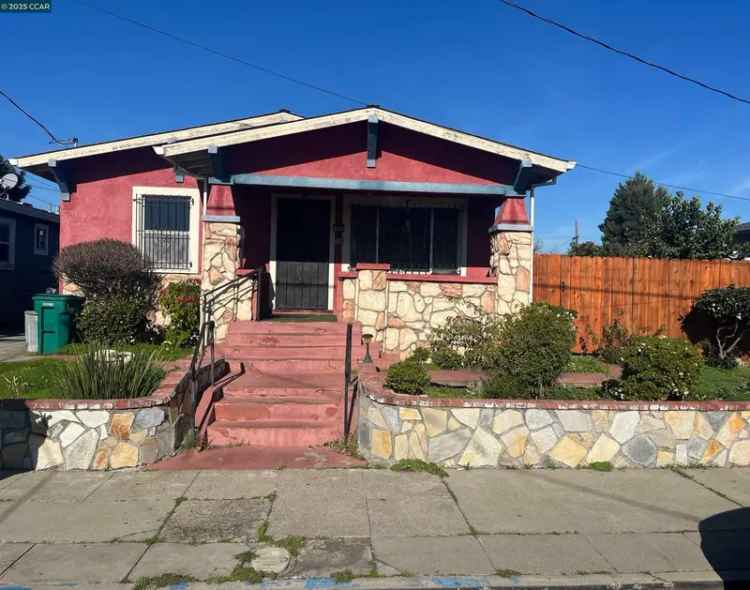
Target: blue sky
{"points": [[477, 66]]}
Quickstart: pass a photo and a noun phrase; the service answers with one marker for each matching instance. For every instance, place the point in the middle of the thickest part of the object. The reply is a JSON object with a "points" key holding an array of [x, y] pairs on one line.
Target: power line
{"points": [[224, 55], [626, 53], [673, 186], [38, 122]]}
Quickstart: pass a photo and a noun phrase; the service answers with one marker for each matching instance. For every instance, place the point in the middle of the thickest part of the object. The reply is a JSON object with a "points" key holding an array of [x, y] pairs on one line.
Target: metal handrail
{"points": [[211, 300], [347, 378]]}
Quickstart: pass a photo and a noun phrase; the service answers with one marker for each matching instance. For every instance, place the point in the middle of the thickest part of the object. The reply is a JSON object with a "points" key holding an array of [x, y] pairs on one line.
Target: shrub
{"points": [[99, 374], [466, 340], [727, 313], [114, 319], [656, 368], [407, 377], [106, 267], [420, 355], [534, 347], [119, 286], [615, 337], [180, 303]]}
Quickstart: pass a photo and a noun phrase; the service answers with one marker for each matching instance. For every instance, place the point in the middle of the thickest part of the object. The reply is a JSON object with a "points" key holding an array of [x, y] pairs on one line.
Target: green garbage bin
{"points": [[55, 320]]}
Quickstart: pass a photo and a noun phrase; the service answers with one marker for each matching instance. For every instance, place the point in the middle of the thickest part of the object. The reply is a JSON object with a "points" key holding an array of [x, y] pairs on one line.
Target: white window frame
{"points": [[41, 251], [195, 199], [11, 262]]}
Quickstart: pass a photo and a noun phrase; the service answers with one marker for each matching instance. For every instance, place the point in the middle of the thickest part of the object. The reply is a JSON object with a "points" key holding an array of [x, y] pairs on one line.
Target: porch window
{"points": [[413, 239], [165, 228]]}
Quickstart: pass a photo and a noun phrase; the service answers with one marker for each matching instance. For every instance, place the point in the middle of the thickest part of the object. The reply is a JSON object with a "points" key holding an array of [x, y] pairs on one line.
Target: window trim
{"points": [[11, 263], [194, 233], [41, 251], [401, 201]]}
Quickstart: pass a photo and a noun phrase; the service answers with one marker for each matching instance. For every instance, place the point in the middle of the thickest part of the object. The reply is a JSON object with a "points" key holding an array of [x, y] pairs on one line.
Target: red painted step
{"points": [[260, 410], [272, 353], [281, 433], [250, 327], [289, 340]]}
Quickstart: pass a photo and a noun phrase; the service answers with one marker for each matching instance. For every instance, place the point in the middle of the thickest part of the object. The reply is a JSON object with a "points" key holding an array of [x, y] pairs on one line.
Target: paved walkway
{"points": [[13, 348], [522, 529]]}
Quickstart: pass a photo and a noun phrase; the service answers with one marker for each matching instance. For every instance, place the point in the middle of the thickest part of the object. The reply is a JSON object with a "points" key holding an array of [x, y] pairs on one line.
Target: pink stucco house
{"points": [[391, 223], [365, 213]]}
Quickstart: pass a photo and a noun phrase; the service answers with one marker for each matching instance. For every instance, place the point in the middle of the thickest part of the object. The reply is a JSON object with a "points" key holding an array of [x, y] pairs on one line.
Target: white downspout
{"points": [[532, 207]]}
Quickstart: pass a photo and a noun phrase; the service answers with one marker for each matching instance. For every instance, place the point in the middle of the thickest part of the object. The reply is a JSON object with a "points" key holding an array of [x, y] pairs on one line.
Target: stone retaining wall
{"points": [[547, 433], [99, 434]]}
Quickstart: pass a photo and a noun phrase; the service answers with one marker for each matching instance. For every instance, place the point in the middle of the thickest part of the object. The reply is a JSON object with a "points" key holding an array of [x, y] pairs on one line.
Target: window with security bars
{"points": [[411, 239], [163, 230]]}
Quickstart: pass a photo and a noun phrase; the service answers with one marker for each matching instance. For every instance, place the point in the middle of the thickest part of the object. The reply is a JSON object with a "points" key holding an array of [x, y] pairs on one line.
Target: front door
{"points": [[303, 230]]}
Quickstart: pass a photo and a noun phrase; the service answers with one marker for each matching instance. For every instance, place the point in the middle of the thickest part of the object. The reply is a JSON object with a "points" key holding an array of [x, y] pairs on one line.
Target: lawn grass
{"points": [[29, 379], [580, 363], [728, 384], [163, 353]]}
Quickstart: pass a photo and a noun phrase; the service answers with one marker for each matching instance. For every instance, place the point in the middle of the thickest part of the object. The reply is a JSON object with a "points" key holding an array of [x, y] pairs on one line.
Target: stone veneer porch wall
{"points": [[99, 434], [402, 311], [546, 433]]}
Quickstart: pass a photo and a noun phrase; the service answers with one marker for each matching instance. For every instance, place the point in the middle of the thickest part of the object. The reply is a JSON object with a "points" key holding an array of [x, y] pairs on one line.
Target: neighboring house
{"points": [[742, 233], [29, 241], [372, 215]]}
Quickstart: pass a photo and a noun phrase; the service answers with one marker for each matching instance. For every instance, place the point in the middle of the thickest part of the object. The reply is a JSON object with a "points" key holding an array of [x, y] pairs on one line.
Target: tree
{"points": [[684, 229], [587, 248], [632, 216], [727, 311], [21, 189], [646, 220]]}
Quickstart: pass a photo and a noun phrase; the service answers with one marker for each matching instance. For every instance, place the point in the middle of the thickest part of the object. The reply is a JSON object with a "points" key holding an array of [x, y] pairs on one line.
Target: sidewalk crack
{"points": [[687, 476]]}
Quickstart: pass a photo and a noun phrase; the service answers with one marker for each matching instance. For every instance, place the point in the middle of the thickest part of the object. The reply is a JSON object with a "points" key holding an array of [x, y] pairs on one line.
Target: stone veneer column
{"points": [[221, 260], [372, 298], [512, 256]]}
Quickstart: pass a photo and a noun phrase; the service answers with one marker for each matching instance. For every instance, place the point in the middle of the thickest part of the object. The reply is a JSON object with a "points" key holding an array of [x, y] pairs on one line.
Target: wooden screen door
{"points": [[303, 229]]}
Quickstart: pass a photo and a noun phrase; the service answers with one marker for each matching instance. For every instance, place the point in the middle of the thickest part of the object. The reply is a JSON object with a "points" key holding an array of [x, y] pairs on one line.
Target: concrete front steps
{"points": [[292, 392]]}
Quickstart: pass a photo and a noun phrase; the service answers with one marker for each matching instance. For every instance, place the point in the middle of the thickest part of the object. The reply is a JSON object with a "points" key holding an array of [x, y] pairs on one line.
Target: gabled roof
{"points": [[177, 150], [34, 162]]}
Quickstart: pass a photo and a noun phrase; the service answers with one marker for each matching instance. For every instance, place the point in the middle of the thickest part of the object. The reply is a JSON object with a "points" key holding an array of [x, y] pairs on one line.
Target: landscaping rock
{"points": [[568, 452], [448, 445], [640, 450], [93, 418], [44, 452], [79, 454], [148, 418], [72, 431], [536, 419], [604, 449], [624, 426], [574, 420], [506, 420], [544, 439], [121, 425], [467, 416], [123, 455], [483, 450]]}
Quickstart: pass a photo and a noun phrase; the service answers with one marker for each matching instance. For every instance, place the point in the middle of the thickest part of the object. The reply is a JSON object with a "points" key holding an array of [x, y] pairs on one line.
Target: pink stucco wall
{"points": [[101, 204]]}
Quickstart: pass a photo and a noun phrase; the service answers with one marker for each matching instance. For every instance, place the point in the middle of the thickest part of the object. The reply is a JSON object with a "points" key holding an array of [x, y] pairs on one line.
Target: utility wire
{"points": [[52, 136], [673, 186], [626, 53], [224, 55]]}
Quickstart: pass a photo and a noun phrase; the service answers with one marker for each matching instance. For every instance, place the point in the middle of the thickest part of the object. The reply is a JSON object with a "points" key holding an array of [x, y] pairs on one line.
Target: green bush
{"points": [[114, 319], [534, 347], [727, 313], [100, 374], [180, 303], [615, 337], [466, 340], [420, 355], [656, 368], [407, 377]]}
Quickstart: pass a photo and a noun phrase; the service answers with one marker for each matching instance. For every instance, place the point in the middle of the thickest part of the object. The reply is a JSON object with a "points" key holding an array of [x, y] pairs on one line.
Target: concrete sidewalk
{"points": [[521, 529]]}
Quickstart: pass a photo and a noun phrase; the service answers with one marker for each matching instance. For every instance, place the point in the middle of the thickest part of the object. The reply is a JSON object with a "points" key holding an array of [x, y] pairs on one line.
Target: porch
{"points": [[398, 264]]}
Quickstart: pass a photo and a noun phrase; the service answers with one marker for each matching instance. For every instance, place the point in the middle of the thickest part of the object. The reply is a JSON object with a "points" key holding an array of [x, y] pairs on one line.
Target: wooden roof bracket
{"points": [[372, 140], [59, 173]]}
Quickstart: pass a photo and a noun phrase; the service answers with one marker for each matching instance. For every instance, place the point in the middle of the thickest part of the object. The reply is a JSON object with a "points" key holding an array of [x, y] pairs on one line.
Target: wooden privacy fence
{"points": [[644, 295]]}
